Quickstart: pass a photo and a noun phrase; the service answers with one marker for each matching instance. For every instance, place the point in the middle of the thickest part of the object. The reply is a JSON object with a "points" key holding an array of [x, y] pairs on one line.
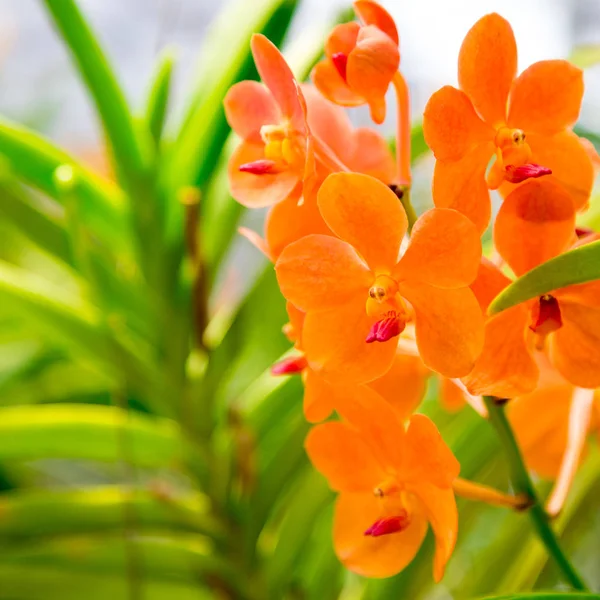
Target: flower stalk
{"points": [[522, 484]]}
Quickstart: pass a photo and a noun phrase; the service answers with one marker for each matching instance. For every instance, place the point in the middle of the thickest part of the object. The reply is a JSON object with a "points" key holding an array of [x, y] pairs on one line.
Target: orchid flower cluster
{"points": [[378, 299]]}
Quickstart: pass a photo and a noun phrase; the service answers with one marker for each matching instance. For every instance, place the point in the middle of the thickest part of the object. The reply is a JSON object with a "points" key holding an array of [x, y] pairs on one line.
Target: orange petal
{"points": [[365, 213], [490, 281], [587, 294], [535, 223], [342, 39], [487, 65], [293, 330], [505, 368], [371, 13], [440, 508], [317, 402], [372, 65], [451, 126], [377, 422], [382, 556], [371, 155], [427, 457], [320, 271], [341, 454], [546, 97], [335, 346], [255, 191], [569, 161], [444, 250], [328, 121], [461, 185], [289, 221], [575, 347], [278, 77], [248, 106], [451, 395], [540, 422], [330, 83], [448, 325], [403, 386]]}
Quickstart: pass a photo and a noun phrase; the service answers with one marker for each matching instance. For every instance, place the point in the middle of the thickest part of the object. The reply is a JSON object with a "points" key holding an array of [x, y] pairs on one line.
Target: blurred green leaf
{"points": [[158, 99], [67, 316], [547, 596], [585, 56], [579, 265], [26, 582], [35, 160], [87, 432], [100, 80], [226, 58], [40, 228], [35, 513], [309, 499], [249, 347]]}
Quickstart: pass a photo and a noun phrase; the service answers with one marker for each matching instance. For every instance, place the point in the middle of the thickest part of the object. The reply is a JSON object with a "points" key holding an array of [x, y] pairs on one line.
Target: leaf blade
{"points": [[580, 265]]}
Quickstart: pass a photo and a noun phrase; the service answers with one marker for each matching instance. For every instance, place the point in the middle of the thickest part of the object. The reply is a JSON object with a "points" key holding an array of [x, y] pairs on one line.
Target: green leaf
{"points": [[158, 99], [67, 316], [38, 227], [132, 149], [580, 265], [103, 87], [309, 500], [87, 432], [50, 583], [35, 160], [176, 555], [33, 513], [585, 56], [249, 346], [225, 59], [547, 596]]}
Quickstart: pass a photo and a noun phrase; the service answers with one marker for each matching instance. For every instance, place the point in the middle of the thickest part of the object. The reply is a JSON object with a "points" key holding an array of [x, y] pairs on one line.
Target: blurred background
{"points": [[138, 458], [40, 87]]}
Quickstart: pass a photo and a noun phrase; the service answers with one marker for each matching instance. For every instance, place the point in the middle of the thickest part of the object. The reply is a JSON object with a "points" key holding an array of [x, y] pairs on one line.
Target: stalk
{"points": [[522, 484]]}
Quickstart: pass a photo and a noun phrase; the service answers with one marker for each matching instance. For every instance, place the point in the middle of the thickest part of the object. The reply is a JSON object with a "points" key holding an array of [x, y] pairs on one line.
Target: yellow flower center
{"points": [[511, 151], [396, 506], [384, 297], [282, 145]]}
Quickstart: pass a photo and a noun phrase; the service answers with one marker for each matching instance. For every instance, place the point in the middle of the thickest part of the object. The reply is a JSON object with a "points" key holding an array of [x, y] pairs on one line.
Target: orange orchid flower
{"points": [[552, 425], [362, 150], [275, 156], [402, 387], [523, 122], [535, 223], [391, 484], [360, 60], [354, 289]]}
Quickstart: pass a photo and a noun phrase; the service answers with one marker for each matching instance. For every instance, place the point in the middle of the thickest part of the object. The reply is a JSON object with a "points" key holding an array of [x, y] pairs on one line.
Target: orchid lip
{"points": [[546, 316], [259, 167], [528, 171], [388, 525], [392, 325], [289, 366], [340, 62]]}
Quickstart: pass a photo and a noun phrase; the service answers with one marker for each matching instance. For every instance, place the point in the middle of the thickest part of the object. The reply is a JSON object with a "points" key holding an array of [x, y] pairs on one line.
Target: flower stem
{"points": [[522, 485], [402, 130], [411, 215], [484, 493]]}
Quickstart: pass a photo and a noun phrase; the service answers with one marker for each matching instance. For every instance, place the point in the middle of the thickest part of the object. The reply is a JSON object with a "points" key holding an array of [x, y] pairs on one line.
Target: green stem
{"points": [[411, 215], [523, 485]]}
